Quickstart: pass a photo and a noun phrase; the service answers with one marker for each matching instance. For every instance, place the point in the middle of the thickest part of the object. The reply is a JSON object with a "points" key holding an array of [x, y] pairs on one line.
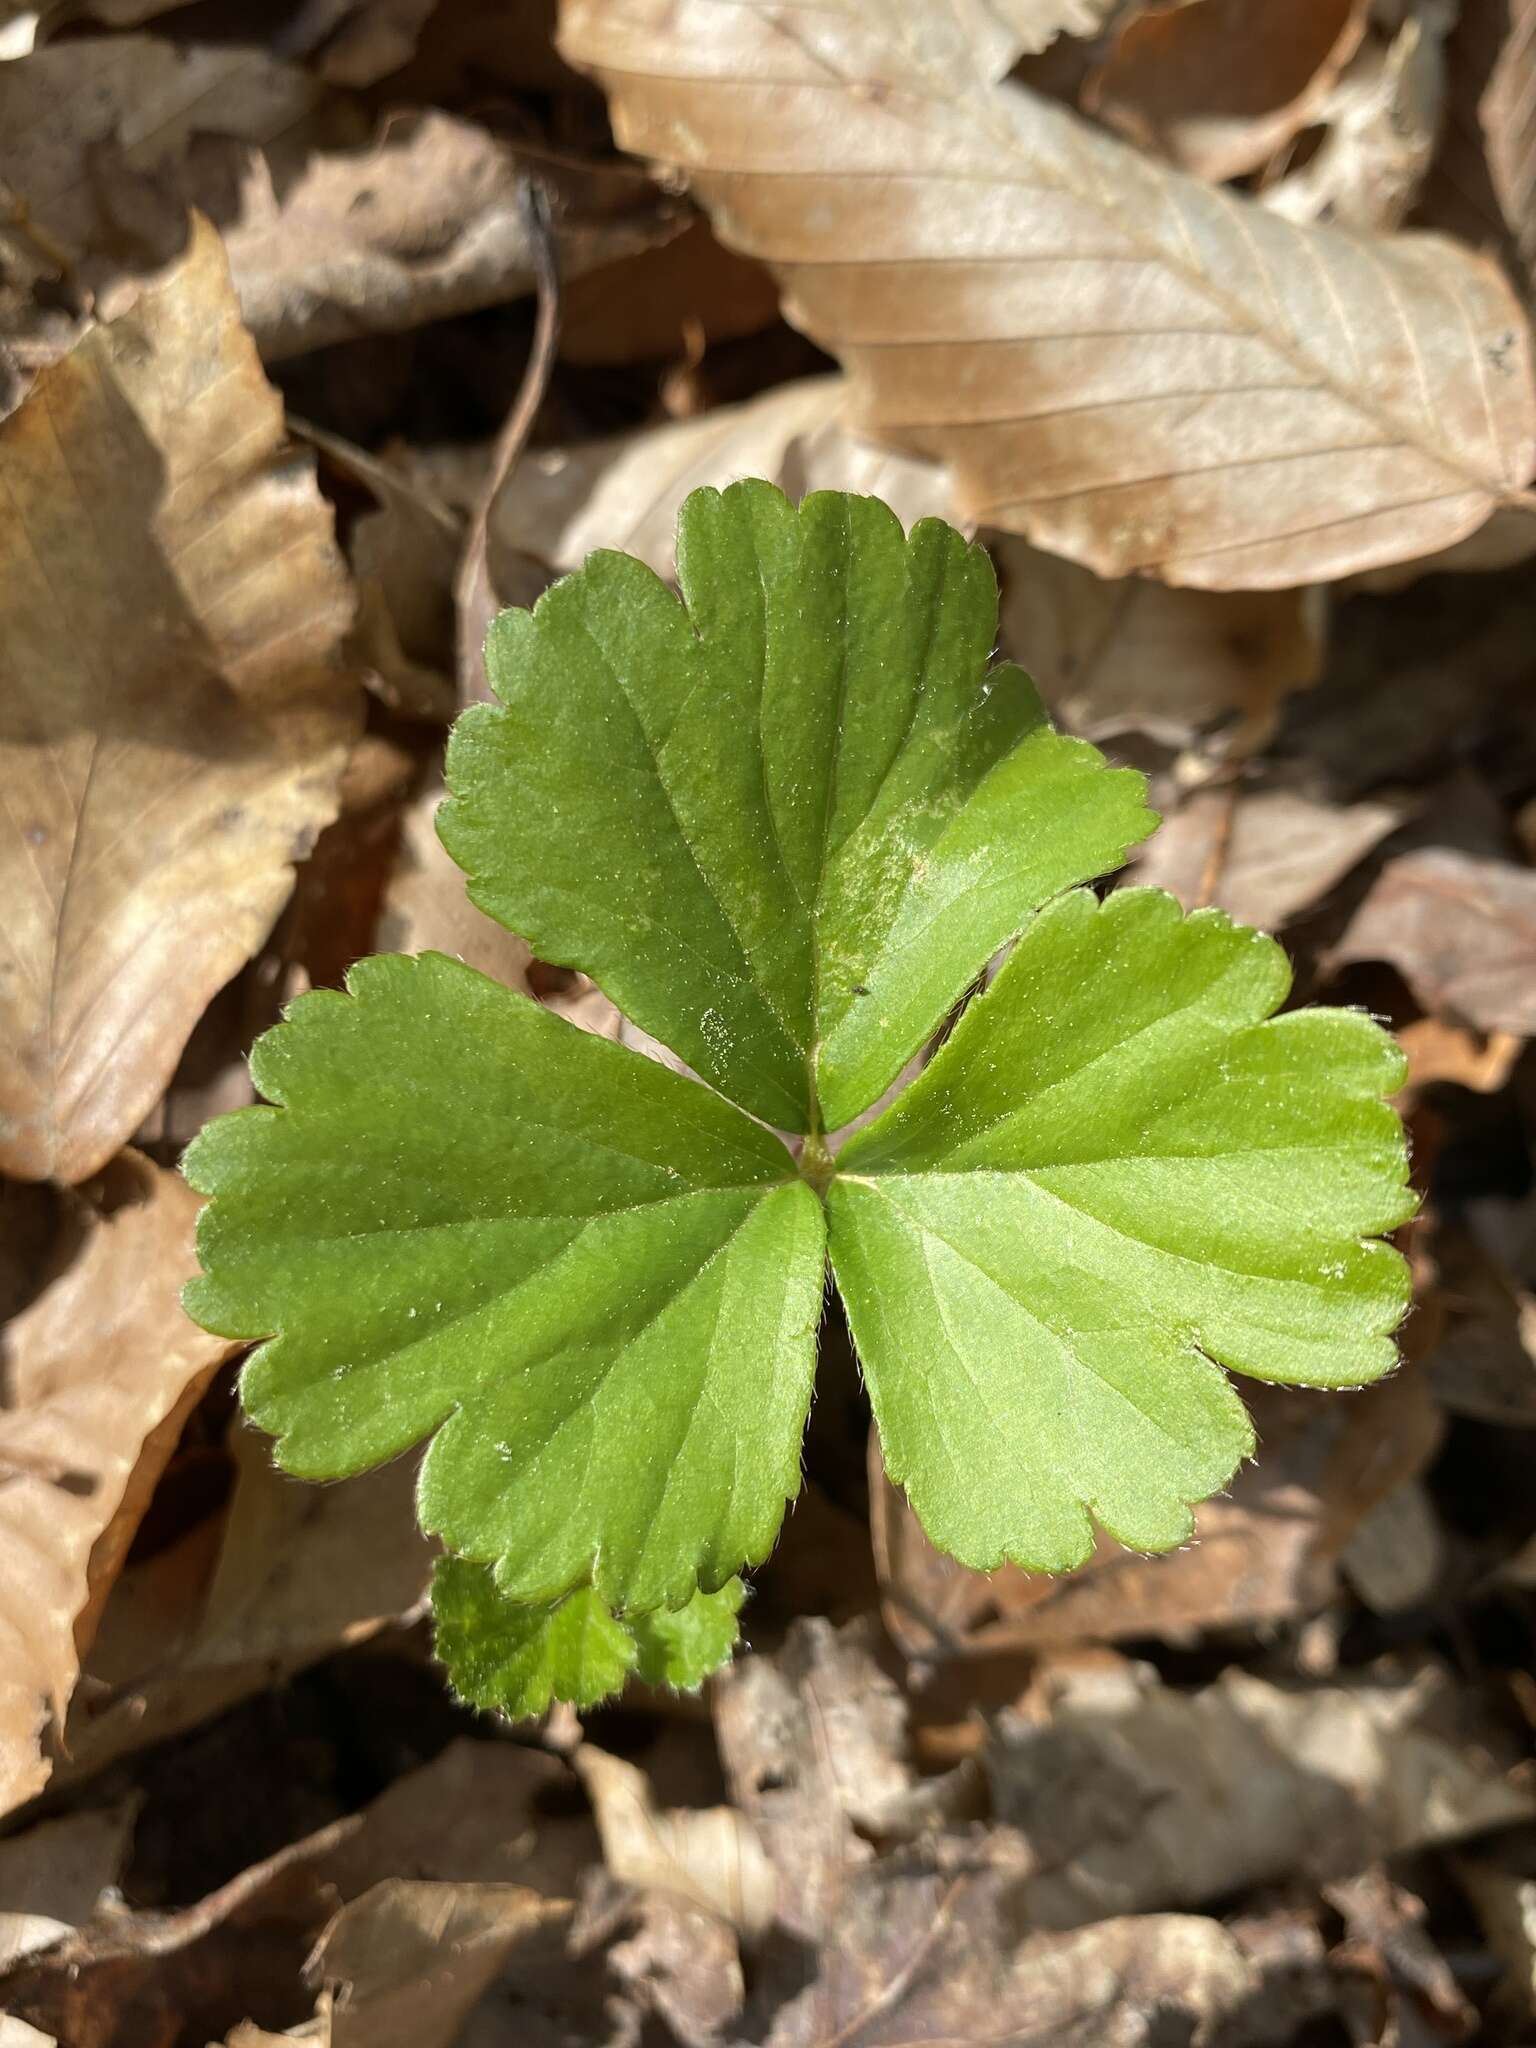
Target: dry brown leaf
{"points": [[1265, 1552], [426, 221], [403, 555], [943, 1956], [689, 292], [1507, 113], [102, 1370], [335, 226], [173, 722], [1139, 656], [479, 1815], [709, 1856], [1461, 931], [293, 1573], [72, 113], [814, 1744], [1262, 855], [1133, 369], [1030, 26], [1219, 86], [1396, 1556], [1437, 1051], [426, 907], [1109, 657], [1485, 1362], [407, 1961], [1382, 121], [1133, 1797], [559, 504]]}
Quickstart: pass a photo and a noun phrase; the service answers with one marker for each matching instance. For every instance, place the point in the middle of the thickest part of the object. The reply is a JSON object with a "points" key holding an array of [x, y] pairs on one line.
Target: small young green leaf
{"points": [[785, 826], [509, 1658], [681, 1646], [1120, 1175], [505, 1656], [597, 1283]]}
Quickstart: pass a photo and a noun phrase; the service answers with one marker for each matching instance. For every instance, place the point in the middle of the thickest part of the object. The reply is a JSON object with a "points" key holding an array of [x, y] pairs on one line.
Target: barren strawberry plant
{"points": [[767, 1196]]}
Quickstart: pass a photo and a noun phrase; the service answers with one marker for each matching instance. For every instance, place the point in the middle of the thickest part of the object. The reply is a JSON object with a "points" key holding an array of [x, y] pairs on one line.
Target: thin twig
{"points": [[475, 601]]}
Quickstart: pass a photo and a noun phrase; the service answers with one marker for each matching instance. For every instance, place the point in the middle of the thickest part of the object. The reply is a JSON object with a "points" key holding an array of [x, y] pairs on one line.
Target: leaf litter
{"points": [[1272, 1787]]}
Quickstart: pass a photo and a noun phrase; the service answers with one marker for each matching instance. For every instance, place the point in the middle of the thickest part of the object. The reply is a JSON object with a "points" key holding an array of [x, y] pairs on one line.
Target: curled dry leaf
{"points": [[1219, 86], [426, 221], [102, 1370], [1382, 121], [173, 723], [624, 492], [407, 1961], [135, 104], [1461, 931], [1266, 1551], [1133, 1798], [334, 227], [709, 1856], [1131, 368], [1262, 855], [486, 1816]]}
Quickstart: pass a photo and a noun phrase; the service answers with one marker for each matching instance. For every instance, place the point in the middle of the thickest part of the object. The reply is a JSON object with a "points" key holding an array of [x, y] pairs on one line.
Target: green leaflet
{"points": [[786, 826], [515, 1659], [1120, 1168], [595, 1282]]}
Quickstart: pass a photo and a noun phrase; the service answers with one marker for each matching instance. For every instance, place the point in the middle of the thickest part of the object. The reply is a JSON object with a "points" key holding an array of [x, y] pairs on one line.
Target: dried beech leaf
{"points": [[1108, 657], [1127, 1982], [172, 720], [101, 1371], [625, 492], [1133, 369], [1461, 932], [1218, 86], [1262, 856]]}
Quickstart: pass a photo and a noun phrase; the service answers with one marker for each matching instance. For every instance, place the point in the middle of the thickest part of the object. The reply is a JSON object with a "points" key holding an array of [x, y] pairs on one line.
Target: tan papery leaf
{"points": [[100, 1372], [1131, 368], [173, 721]]}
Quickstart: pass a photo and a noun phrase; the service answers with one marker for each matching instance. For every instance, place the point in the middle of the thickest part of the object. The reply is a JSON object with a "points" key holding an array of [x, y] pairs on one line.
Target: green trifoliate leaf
{"points": [[514, 1659], [1120, 1175], [786, 826], [592, 1283]]}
